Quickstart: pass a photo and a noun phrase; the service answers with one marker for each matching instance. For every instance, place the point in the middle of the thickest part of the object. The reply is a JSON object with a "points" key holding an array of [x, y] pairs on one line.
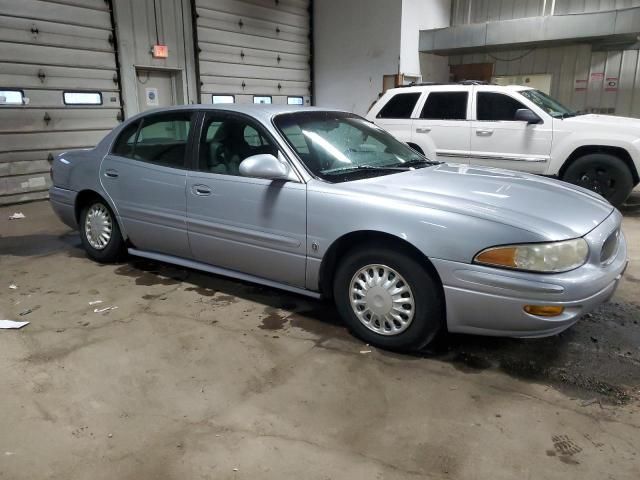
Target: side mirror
{"points": [[267, 166], [526, 115]]}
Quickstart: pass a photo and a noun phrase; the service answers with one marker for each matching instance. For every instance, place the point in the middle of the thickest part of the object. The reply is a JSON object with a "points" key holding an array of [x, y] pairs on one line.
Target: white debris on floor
{"points": [[10, 324], [17, 216]]}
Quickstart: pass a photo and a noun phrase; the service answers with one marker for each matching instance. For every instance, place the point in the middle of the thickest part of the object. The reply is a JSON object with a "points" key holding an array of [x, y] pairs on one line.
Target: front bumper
{"points": [[490, 301]]}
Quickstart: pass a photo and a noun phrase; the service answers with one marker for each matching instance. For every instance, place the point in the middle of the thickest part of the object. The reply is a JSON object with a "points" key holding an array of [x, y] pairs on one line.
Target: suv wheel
{"points": [[100, 233], [389, 299], [604, 174]]}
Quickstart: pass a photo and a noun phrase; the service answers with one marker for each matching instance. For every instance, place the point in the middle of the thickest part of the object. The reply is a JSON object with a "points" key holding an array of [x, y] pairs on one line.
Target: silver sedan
{"points": [[325, 204]]}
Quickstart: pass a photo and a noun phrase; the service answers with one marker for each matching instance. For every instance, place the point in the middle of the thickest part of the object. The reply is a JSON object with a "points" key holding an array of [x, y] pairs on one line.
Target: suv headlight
{"points": [[550, 257]]}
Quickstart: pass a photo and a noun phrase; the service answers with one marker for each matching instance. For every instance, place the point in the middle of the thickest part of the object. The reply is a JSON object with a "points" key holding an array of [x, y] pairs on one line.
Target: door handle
{"points": [[111, 173], [201, 190], [423, 129], [484, 132]]}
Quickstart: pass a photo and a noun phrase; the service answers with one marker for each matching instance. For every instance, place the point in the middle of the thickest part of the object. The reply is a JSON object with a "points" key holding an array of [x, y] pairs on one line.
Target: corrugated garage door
{"points": [[254, 50], [50, 50]]}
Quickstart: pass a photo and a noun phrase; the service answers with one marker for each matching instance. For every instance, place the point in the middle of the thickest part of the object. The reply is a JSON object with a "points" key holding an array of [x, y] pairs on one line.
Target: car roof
{"points": [[259, 111]]}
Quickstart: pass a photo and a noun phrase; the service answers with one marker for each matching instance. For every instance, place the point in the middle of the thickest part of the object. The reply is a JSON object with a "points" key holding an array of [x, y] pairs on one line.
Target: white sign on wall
{"points": [[151, 94]]}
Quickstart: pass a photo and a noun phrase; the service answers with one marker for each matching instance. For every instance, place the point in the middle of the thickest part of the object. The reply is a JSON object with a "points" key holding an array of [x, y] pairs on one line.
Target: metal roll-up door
{"points": [[49, 49], [254, 51]]}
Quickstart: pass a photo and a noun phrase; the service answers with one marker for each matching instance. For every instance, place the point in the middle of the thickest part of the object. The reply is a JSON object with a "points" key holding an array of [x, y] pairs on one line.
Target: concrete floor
{"points": [[198, 377]]}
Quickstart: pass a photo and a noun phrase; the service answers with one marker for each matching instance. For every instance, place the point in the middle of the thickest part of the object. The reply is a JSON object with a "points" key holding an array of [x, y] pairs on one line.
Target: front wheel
{"points": [[100, 233], [604, 174], [389, 299]]}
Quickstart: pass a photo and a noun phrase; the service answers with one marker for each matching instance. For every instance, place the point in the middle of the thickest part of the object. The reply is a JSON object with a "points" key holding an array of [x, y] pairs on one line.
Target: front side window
{"points": [[548, 104], [399, 106], [497, 107], [445, 106], [160, 139], [228, 140], [338, 147]]}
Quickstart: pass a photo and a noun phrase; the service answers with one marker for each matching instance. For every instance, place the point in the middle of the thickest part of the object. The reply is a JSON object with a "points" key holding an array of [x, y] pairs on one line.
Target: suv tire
{"points": [[603, 173], [364, 291]]}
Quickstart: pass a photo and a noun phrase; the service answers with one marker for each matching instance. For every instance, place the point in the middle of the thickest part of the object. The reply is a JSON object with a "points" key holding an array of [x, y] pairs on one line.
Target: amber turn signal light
{"points": [[544, 310]]}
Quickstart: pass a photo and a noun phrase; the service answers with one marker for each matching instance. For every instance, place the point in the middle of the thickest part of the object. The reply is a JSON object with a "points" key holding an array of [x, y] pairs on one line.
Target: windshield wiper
{"points": [[569, 114], [422, 162], [365, 167]]}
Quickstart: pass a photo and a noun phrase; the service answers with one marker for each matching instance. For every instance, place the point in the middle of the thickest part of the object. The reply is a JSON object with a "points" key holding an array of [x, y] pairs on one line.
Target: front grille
{"points": [[610, 247]]}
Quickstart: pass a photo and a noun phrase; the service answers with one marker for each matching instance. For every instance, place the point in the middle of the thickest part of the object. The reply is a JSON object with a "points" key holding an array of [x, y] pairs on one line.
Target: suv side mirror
{"points": [[526, 115], [267, 166]]}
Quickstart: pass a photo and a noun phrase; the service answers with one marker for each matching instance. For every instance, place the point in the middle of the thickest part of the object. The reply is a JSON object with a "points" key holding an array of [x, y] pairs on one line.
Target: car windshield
{"points": [[548, 104], [339, 147]]}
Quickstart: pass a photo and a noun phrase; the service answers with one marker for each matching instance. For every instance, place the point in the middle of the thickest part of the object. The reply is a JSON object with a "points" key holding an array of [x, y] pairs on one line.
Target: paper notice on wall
{"points": [[151, 94], [611, 84]]}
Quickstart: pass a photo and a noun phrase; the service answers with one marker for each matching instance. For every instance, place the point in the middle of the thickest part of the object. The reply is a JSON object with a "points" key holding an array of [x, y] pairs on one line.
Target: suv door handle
{"points": [[423, 129], [111, 173], [201, 190], [484, 132]]}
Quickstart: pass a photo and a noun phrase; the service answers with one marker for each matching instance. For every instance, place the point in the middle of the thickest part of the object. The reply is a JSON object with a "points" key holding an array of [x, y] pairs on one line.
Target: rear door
{"points": [[250, 225], [442, 128], [395, 115], [497, 140], [145, 176]]}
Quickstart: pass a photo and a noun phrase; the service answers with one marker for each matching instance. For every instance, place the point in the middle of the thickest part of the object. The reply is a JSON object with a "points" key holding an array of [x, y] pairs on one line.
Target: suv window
{"points": [[226, 141], [496, 106], [399, 106], [445, 106]]}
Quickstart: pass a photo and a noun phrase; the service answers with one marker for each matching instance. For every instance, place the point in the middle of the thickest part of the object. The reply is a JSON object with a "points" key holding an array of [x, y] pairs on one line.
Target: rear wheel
{"points": [[605, 174], [389, 299], [100, 233]]}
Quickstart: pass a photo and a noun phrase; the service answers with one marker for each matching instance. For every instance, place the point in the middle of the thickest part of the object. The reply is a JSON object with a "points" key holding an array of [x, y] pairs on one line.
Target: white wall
{"points": [[356, 42], [420, 15]]}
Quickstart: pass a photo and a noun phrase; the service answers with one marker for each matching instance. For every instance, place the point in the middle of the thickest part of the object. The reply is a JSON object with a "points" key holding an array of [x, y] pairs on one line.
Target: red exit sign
{"points": [[160, 51]]}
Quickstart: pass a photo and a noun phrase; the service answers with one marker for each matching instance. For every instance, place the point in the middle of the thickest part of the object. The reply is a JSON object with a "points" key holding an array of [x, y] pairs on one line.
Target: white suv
{"points": [[517, 128]]}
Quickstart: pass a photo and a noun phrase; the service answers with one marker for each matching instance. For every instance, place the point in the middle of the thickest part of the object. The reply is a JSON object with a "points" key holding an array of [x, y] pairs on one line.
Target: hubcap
{"points": [[98, 226], [382, 299]]}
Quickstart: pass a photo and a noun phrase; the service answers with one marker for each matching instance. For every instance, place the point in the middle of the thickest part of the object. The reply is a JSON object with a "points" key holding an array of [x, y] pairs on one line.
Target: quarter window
{"points": [[399, 106], [445, 106], [497, 107], [161, 139]]}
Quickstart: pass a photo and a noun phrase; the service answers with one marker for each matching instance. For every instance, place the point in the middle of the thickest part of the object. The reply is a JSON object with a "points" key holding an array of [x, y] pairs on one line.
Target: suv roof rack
{"points": [[461, 82]]}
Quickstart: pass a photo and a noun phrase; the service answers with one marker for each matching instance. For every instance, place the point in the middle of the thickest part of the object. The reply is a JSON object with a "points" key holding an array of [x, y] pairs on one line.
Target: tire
{"points": [[113, 249], [428, 316], [605, 174]]}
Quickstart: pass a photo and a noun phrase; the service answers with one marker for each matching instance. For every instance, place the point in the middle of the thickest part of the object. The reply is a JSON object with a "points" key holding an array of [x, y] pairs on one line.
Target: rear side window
{"points": [[125, 142], [399, 106], [161, 139], [445, 106], [496, 106]]}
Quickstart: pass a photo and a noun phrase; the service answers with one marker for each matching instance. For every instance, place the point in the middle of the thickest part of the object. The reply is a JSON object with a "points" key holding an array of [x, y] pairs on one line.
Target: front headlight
{"points": [[537, 257]]}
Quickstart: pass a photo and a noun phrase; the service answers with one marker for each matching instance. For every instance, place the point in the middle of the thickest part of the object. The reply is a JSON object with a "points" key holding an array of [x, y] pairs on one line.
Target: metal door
{"points": [[59, 87]]}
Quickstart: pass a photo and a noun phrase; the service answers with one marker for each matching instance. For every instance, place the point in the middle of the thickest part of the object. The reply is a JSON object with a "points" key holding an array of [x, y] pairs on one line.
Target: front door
{"points": [[442, 128], [497, 140], [248, 225], [145, 176]]}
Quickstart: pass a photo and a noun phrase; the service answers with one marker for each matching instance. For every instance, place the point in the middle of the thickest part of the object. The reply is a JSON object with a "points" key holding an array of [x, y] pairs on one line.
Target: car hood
{"points": [[550, 208], [603, 121]]}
